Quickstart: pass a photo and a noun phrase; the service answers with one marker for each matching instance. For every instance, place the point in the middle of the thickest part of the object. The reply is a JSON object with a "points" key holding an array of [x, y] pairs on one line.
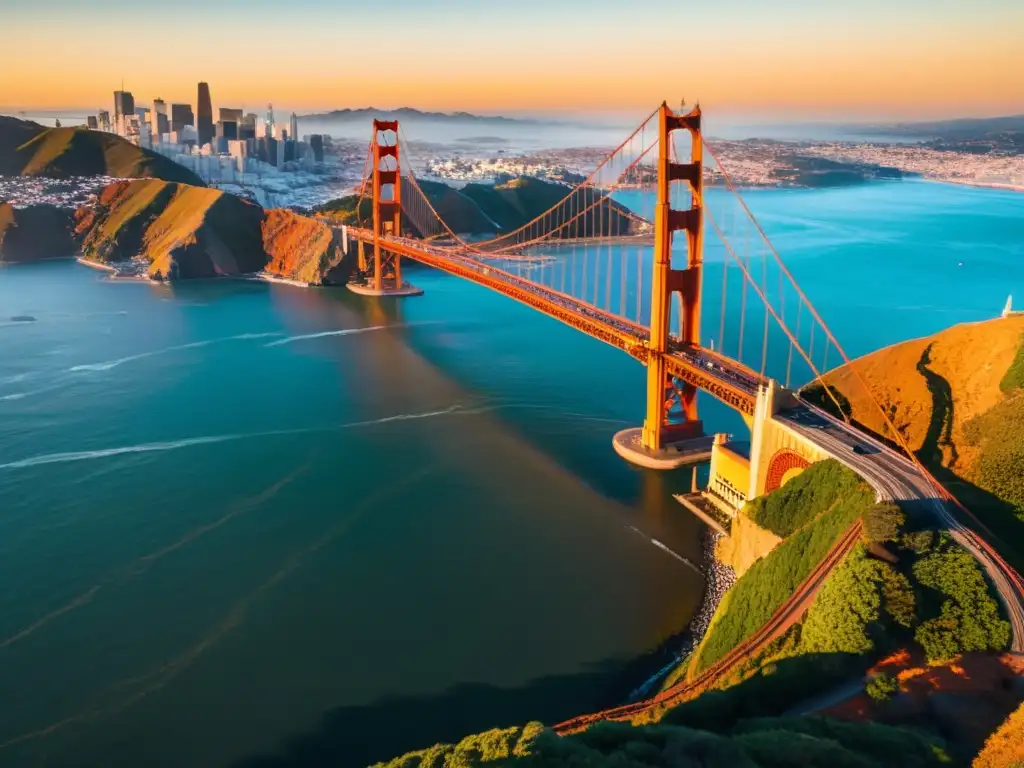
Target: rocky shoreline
{"points": [[718, 578]]}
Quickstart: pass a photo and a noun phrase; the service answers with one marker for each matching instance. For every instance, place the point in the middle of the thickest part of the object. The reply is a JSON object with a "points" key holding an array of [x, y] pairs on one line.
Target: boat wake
{"points": [[665, 549], [322, 334], [110, 364], [172, 445]]}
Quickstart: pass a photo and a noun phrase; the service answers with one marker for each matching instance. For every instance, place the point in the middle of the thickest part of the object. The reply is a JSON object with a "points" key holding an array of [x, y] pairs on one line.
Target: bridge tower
{"points": [[672, 433], [386, 279]]}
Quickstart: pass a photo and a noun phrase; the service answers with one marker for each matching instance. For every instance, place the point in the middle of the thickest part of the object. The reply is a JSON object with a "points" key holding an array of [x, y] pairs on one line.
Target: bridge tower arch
{"points": [[657, 445], [386, 277]]}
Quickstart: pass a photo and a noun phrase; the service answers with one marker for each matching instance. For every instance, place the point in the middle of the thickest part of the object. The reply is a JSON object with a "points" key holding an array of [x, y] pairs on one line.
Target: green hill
{"points": [[762, 743], [29, 149], [484, 209]]}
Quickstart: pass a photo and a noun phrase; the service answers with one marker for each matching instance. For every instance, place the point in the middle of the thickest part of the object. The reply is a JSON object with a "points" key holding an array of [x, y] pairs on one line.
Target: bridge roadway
{"points": [[723, 378]]}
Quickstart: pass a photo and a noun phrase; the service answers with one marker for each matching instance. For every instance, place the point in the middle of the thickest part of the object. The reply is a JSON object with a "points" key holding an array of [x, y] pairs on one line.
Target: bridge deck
{"points": [[730, 382]]}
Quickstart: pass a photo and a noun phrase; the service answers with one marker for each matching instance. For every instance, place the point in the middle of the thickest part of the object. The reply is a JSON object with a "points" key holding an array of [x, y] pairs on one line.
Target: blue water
{"points": [[234, 531]]}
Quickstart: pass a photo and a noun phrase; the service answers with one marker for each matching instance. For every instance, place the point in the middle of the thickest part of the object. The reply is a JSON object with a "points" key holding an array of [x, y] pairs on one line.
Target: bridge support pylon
{"points": [[385, 279], [672, 434]]}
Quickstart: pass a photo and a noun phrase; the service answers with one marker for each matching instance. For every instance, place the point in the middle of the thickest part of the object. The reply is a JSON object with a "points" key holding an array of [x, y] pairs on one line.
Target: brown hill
{"points": [[957, 399], [177, 231], [180, 230], [34, 233], [29, 149], [303, 249]]}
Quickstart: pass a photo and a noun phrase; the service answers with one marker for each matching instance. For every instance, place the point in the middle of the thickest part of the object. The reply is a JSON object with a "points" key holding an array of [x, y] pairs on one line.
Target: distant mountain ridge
{"points": [[409, 113], [955, 128]]}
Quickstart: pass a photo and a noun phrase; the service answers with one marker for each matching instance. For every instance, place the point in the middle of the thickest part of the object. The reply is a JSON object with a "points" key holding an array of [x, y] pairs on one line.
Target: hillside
{"points": [[767, 742], [29, 149], [177, 231], [957, 398], [34, 233], [486, 210], [303, 249]]}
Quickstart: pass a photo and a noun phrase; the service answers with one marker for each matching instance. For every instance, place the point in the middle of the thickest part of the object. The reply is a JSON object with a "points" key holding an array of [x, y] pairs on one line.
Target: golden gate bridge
{"points": [[598, 265]]}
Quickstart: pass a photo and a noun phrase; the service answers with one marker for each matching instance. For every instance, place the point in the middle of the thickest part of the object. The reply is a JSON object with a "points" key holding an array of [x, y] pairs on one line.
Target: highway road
{"points": [[896, 478]]}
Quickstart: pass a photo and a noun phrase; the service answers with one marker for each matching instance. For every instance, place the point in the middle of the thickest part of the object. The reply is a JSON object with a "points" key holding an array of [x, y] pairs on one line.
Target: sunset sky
{"points": [[778, 59]]}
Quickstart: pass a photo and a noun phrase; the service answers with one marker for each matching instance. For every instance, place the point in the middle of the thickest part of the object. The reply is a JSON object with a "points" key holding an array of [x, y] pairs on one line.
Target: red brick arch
{"points": [[781, 462]]}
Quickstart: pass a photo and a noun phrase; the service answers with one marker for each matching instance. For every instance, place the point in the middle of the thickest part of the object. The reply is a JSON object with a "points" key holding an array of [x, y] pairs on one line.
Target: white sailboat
{"points": [[1008, 309]]}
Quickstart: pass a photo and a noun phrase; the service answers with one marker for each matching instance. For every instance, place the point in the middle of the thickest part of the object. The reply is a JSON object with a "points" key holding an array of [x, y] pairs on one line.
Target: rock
{"points": [[303, 249], [34, 233]]}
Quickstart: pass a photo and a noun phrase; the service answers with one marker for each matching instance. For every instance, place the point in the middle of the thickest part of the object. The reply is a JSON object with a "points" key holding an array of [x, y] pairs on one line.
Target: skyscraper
{"points": [[124, 103], [181, 115], [161, 124], [204, 115], [316, 143], [268, 123], [293, 128]]}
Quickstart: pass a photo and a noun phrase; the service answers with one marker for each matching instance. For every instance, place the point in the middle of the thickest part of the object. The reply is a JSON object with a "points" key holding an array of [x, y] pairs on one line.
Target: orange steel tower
{"points": [[662, 392], [387, 214]]}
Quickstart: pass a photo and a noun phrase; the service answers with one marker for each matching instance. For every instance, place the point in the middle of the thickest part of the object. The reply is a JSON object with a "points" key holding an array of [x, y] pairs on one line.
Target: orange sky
{"points": [[870, 59]]}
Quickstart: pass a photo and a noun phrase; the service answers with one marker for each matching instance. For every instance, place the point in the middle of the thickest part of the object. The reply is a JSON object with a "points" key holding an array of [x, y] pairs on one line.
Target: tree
{"points": [[883, 522], [882, 687]]}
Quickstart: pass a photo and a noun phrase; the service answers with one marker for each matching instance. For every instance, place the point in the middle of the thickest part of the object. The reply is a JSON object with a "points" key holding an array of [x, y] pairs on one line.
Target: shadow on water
{"points": [[360, 735]]}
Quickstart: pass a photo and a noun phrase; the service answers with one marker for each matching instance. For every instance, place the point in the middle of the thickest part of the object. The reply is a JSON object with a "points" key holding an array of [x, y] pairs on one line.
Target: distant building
{"points": [[181, 115], [92, 123], [204, 115], [247, 127], [316, 143], [124, 103], [268, 122], [104, 120], [160, 123], [124, 108], [293, 127]]}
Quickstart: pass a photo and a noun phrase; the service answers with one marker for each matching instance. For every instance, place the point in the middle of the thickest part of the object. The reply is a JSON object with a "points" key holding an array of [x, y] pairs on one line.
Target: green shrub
{"points": [[858, 602], [919, 542], [803, 498], [772, 579], [883, 522], [1014, 376], [882, 743], [998, 434], [882, 687], [969, 618]]}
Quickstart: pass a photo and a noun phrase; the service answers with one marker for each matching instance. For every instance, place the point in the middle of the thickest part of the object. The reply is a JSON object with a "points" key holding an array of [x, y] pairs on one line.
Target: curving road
{"points": [[896, 478]]}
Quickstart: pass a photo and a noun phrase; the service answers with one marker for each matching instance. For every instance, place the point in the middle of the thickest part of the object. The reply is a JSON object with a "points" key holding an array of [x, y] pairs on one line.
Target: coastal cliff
{"points": [[170, 231], [34, 233], [303, 249]]}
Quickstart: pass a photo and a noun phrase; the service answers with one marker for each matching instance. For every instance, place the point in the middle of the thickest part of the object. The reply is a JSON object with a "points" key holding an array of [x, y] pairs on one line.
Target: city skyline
{"points": [[905, 59]]}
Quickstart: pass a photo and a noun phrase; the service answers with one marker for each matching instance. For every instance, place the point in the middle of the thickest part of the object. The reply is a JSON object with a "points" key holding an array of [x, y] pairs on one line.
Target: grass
{"points": [[1013, 379], [771, 580], [797, 503]]}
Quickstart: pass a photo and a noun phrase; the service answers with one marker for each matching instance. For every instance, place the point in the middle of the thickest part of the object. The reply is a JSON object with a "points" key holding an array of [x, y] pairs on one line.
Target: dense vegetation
{"points": [[772, 579], [29, 149], [1013, 379], [763, 743], [35, 232], [968, 616], [798, 502]]}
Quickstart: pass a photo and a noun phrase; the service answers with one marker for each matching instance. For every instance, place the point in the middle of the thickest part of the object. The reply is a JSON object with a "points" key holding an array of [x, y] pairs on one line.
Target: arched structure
{"points": [[782, 467]]}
